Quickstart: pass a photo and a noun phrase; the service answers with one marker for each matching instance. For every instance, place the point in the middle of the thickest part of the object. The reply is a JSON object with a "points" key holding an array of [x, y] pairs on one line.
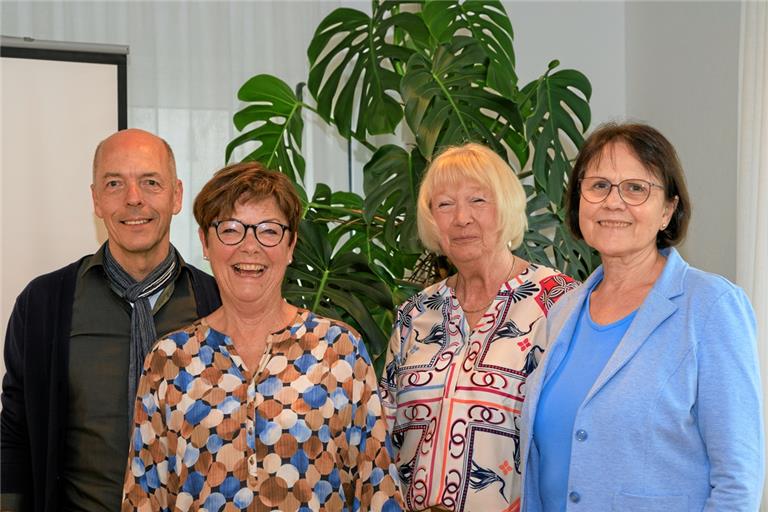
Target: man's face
{"points": [[135, 193]]}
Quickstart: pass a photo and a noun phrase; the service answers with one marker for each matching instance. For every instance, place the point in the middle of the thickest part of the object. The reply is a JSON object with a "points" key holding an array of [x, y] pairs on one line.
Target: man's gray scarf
{"points": [[143, 334]]}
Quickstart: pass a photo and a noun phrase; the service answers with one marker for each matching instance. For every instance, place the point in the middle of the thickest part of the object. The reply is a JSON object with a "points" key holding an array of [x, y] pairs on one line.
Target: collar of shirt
{"points": [[156, 300]]}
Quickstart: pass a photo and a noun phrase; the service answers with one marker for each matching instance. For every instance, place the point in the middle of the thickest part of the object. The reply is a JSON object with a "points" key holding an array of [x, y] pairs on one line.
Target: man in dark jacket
{"points": [[77, 337]]}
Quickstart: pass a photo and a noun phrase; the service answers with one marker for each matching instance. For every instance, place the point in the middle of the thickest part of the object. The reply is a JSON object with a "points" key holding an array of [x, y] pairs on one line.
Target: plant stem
{"points": [[524, 174], [453, 104], [338, 210], [367, 144], [309, 107], [320, 290]]}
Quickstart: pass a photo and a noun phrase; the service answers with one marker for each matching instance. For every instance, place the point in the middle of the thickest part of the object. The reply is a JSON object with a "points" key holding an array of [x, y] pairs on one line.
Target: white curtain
{"points": [[187, 60], [752, 185]]}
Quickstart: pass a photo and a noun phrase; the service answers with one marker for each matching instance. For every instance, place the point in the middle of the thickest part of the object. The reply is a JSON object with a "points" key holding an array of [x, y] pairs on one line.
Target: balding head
{"points": [[132, 138], [135, 192]]}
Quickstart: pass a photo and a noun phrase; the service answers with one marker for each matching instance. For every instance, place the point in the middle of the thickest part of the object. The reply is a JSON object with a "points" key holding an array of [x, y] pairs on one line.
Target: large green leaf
{"points": [[390, 265], [562, 98], [353, 67], [276, 114], [338, 207], [337, 284], [574, 257], [446, 101], [489, 25], [344, 215], [391, 183], [351, 231], [536, 246], [448, 69]]}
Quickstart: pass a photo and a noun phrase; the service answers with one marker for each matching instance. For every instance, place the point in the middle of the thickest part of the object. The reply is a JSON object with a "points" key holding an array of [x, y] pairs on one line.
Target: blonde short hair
{"points": [[477, 163]]}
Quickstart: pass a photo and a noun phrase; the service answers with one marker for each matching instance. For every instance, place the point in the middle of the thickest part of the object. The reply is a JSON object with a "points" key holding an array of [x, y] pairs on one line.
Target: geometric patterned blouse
{"points": [[453, 395], [304, 431]]}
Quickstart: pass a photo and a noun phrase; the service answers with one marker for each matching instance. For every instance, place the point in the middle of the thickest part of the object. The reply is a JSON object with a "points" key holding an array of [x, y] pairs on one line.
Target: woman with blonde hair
{"points": [[461, 349]]}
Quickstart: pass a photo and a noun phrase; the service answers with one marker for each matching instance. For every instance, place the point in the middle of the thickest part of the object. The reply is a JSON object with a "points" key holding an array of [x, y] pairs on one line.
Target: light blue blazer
{"points": [[674, 421]]}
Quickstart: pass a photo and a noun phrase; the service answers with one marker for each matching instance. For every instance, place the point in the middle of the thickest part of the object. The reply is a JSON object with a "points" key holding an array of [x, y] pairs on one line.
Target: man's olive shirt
{"points": [[97, 437]]}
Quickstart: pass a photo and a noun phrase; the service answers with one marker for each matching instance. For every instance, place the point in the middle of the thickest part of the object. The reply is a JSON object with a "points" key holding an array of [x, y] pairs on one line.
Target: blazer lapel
{"points": [[656, 308], [646, 321], [560, 326]]}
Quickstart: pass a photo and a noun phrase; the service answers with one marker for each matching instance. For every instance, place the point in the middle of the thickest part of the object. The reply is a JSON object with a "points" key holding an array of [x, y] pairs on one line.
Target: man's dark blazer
{"points": [[34, 398]]}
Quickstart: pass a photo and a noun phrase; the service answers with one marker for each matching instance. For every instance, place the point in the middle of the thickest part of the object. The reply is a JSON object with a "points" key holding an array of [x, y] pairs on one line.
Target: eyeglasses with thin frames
{"points": [[633, 191], [232, 232]]}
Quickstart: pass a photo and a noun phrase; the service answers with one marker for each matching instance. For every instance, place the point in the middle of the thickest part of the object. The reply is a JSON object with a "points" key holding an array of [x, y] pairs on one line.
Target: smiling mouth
{"points": [[138, 222], [614, 224], [249, 269]]}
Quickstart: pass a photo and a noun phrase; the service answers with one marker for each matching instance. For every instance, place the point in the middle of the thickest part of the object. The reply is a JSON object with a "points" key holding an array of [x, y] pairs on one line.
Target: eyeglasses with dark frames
{"points": [[232, 232], [633, 191]]}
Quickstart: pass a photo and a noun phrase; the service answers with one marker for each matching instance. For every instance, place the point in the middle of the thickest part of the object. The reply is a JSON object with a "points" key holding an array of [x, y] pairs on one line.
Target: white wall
{"points": [[587, 36], [69, 107], [682, 77]]}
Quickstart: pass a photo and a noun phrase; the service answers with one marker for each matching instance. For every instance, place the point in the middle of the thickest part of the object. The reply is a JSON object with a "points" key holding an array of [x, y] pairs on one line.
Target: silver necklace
{"points": [[459, 280]]}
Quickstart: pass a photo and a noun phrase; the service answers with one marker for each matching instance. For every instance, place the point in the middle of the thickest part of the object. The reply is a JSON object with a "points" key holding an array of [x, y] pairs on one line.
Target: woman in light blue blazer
{"points": [[649, 398]]}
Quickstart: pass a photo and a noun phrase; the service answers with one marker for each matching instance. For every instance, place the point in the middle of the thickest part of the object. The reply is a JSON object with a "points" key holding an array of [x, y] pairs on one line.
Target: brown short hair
{"points": [[656, 154], [474, 162], [243, 182]]}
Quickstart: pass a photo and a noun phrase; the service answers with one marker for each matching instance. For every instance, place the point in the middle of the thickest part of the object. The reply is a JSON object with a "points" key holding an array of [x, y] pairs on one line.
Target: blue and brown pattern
{"points": [[304, 431]]}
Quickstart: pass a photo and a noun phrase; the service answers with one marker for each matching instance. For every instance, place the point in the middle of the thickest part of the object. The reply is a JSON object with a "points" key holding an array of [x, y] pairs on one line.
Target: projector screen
{"points": [[56, 105]]}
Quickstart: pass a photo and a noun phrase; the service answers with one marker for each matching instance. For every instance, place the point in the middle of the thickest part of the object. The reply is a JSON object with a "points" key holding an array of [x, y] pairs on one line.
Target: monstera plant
{"points": [[437, 73]]}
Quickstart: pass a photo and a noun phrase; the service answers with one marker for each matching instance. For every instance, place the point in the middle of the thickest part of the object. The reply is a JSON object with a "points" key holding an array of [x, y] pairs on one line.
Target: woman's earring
{"points": [[205, 257]]}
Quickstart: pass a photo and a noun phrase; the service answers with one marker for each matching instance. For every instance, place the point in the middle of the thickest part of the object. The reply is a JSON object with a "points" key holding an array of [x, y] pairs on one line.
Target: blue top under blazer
{"points": [[674, 420]]}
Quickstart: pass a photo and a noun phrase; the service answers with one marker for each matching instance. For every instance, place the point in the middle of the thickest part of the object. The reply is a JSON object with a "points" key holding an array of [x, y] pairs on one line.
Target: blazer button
{"points": [[574, 497], [581, 435]]}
